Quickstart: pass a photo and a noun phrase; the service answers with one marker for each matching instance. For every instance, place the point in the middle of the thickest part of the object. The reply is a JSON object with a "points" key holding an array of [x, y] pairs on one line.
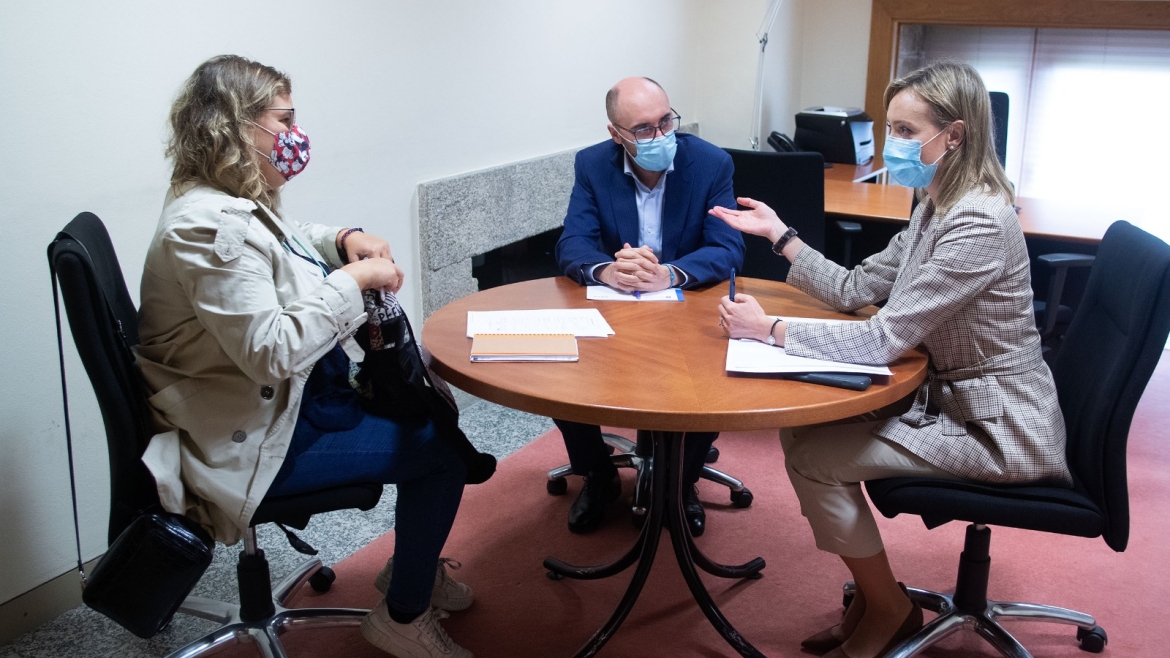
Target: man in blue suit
{"points": [[637, 221]]}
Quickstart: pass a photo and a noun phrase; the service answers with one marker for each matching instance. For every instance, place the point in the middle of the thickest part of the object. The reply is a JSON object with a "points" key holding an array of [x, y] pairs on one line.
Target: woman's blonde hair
{"points": [[211, 126], [954, 91]]}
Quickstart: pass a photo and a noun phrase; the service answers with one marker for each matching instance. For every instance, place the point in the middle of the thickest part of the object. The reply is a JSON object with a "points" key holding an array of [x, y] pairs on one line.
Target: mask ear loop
{"points": [[623, 138], [944, 153], [267, 156]]}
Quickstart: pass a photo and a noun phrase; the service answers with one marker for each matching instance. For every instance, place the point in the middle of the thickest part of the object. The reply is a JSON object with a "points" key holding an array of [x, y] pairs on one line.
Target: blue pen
{"points": [[732, 295], [637, 294]]}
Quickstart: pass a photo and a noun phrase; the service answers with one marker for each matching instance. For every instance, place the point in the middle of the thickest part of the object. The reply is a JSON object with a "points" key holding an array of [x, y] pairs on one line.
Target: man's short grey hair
{"points": [[611, 99]]}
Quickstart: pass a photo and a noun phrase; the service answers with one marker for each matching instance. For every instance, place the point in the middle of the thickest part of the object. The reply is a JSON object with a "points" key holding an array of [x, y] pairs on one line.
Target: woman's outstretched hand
{"points": [[758, 219]]}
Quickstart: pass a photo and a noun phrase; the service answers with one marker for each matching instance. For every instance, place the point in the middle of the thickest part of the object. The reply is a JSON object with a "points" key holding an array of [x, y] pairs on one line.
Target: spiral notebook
{"points": [[524, 347]]}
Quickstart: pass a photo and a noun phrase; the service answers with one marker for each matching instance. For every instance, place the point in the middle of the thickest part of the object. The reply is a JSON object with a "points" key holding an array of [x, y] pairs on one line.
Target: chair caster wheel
{"points": [[552, 575], [638, 520], [742, 498], [846, 599], [322, 580], [557, 487], [712, 455], [1092, 640]]}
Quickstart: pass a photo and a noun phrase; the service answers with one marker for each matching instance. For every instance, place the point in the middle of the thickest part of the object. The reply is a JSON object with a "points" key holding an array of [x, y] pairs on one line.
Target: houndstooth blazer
{"points": [[960, 287]]}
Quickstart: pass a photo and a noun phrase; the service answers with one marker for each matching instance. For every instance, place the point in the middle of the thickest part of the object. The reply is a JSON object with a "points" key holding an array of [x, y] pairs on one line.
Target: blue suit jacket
{"points": [[603, 213]]}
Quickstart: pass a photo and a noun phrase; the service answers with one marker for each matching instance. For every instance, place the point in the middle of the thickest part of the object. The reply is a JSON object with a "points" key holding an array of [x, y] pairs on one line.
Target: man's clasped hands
{"points": [[635, 268]]}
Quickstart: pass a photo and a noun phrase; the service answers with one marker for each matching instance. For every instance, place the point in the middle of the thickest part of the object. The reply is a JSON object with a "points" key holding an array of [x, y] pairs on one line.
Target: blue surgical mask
{"points": [[903, 159], [656, 154]]}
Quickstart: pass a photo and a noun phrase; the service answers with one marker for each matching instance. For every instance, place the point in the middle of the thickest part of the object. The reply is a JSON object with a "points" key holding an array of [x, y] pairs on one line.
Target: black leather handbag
{"points": [[148, 571]]}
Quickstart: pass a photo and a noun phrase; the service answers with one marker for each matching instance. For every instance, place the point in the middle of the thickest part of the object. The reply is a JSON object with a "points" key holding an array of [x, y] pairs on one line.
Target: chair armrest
{"points": [[1066, 260], [1059, 263], [849, 228]]}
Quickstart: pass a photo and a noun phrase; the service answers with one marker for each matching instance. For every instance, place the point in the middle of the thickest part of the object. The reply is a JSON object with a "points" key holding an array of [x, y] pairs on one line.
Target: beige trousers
{"points": [[827, 463]]}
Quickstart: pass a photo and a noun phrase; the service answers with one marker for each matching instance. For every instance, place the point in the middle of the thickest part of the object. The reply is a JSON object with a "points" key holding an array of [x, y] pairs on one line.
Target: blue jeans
{"points": [[335, 443]]}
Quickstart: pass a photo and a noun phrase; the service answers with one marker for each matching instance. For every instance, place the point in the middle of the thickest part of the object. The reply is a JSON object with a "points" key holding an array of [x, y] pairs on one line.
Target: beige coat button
{"points": [[267, 392], [238, 436]]}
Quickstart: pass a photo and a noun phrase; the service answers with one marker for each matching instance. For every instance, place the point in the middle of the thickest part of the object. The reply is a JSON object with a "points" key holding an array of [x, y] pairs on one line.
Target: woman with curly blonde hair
{"points": [[247, 326], [956, 282]]}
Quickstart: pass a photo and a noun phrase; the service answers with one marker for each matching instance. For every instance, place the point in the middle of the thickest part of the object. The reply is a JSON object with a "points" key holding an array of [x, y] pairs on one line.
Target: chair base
{"points": [[629, 454], [263, 628], [970, 608]]}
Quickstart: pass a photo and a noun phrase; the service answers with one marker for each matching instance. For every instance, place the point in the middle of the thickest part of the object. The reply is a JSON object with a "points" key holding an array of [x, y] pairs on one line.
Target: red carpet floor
{"points": [[508, 525]]}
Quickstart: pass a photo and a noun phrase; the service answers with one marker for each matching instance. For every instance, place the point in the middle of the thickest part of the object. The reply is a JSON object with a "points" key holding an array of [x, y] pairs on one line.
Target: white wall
{"points": [[817, 55], [725, 71], [783, 71], [835, 53], [392, 93]]}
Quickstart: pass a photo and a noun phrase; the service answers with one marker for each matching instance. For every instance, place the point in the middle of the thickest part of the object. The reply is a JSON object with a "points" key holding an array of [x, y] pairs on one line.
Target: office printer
{"points": [[841, 134]]}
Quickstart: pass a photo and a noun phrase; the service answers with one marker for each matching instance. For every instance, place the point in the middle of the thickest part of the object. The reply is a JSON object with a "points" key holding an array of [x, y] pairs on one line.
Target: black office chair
{"points": [[1110, 351], [793, 184], [104, 324], [999, 118], [638, 455]]}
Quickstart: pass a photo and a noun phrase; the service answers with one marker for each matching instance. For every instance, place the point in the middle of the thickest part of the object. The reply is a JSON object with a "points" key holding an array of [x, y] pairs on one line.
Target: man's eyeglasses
{"points": [[643, 134]]}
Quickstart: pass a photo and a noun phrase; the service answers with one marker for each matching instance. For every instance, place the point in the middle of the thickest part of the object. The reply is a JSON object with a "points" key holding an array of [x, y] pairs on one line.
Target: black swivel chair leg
{"points": [[969, 607], [261, 617], [629, 454]]}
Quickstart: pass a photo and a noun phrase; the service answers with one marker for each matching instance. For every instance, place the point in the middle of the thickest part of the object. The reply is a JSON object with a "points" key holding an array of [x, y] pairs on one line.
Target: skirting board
{"points": [[41, 604]]}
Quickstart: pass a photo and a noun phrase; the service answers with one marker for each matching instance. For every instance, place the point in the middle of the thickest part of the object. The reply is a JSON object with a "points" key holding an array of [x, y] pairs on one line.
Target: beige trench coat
{"points": [[231, 324]]}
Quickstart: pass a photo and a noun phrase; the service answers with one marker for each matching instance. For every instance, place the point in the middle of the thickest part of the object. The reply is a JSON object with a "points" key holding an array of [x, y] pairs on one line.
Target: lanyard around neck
{"points": [[305, 256]]}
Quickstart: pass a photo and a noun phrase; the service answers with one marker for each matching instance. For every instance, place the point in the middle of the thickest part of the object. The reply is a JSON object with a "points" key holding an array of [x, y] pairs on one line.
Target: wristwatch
{"points": [[779, 246], [771, 339]]}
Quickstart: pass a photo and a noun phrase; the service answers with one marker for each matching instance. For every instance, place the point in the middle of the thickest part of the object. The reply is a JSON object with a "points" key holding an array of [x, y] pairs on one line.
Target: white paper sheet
{"points": [[752, 356], [576, 321], [607, 294]]}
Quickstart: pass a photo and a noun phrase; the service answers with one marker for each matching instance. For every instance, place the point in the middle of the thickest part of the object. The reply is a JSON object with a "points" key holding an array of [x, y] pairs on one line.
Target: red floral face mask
{"points": [[290, 151]]}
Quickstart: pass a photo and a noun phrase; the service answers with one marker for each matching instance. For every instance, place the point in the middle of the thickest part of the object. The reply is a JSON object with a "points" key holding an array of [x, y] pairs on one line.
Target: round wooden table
{"points": [[662, 371]]}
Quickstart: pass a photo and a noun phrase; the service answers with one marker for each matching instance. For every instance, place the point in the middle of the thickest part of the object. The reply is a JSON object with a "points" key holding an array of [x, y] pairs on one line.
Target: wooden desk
{"points": [[1060, 220], [856, 173], [867, 201], [663, 370]]}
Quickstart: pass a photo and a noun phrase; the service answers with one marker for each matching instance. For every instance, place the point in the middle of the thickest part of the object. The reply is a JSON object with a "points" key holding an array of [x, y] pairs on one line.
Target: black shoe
{"points": [[693, 510], [588, 511]]}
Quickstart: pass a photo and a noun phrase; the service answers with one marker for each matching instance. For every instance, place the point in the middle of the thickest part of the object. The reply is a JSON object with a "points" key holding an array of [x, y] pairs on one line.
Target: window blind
{"points": [[1086, 111]]}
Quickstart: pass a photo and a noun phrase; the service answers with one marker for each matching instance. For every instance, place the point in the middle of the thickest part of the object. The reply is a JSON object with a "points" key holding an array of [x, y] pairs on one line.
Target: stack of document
{"points": [[548, 335], [750, 356], [576, 321], [523, 347]]}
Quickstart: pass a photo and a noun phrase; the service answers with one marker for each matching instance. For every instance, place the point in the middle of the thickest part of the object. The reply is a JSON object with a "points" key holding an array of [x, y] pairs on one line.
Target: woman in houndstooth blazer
{"points": [[957, 283]]}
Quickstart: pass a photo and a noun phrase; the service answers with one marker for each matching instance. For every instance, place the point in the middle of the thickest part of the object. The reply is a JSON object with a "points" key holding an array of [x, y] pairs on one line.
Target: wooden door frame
{"points": [[888, 16]]}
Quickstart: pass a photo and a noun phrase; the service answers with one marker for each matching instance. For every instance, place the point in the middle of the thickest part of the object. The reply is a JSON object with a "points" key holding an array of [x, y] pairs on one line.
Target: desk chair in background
{"points": [[104, 325], [1109, 354], [792, 184], [639, 456]]}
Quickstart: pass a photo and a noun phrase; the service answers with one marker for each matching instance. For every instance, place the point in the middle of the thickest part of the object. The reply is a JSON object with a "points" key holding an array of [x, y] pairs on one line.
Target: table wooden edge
{"points": [[909, 371]]}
